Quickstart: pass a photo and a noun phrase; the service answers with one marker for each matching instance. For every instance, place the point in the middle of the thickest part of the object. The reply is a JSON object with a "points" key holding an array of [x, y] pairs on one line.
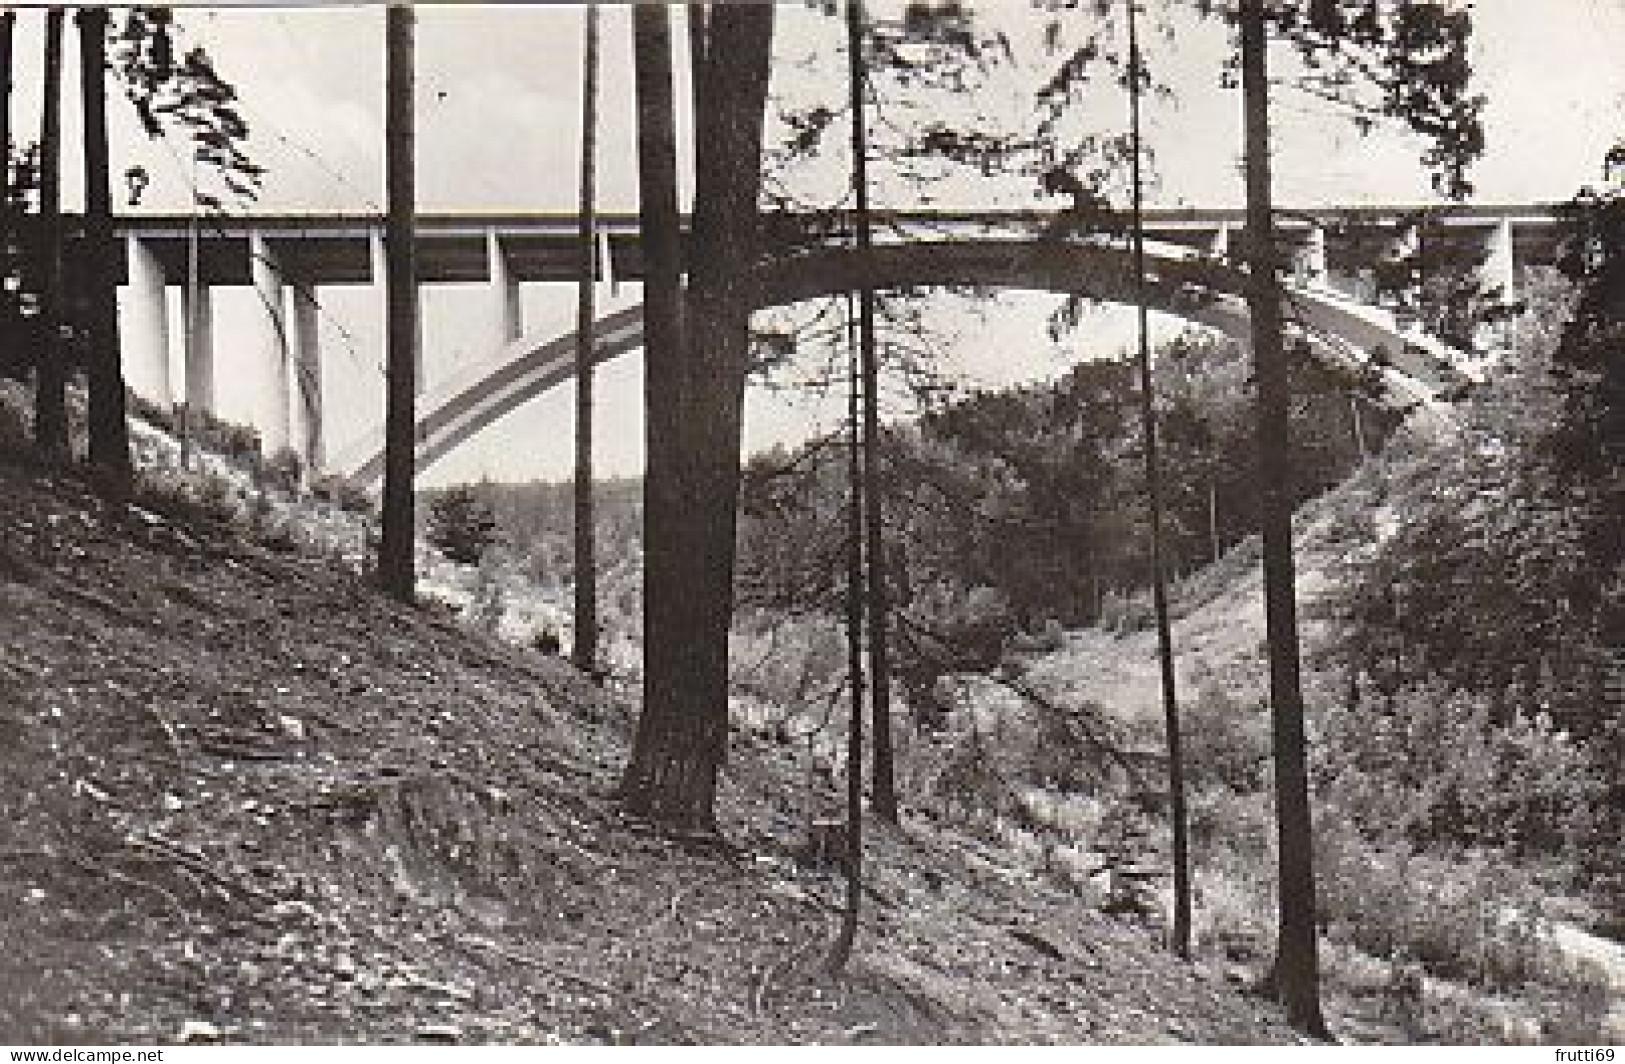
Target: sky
{"points": [[498, 113]]}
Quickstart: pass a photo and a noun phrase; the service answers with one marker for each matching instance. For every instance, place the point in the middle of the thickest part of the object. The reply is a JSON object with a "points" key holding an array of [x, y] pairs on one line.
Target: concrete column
{"points": [[1406, 241], [199, 348], [606, 264], [506, 322], [1500, 269], [1312, 255], [146, 335], [268, 350], [307, 378]]}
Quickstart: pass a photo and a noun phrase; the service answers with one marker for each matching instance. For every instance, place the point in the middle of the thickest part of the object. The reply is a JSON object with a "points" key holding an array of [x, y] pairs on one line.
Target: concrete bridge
{"points": [[287, 258]]}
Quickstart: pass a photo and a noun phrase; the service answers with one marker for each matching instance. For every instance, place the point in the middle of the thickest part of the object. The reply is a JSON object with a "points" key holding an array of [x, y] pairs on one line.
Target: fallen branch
{"points": [[196, 863]]}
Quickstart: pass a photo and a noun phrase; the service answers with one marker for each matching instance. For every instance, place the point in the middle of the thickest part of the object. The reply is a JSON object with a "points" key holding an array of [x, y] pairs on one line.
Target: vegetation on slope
{"points": [[249, 799]]}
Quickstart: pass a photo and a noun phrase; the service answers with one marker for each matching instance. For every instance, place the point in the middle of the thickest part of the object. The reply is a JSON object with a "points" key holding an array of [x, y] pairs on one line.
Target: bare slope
{"points": [[244, 797]]}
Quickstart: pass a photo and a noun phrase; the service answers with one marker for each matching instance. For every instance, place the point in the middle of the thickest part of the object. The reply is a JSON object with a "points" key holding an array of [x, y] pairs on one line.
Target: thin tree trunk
{"points": [[109, 425], [51, 373], [8, 25], [585, 648], [1213, 519], [884, 773], [1296, 976], [1153, 481], [395, 552], [841, 951]]}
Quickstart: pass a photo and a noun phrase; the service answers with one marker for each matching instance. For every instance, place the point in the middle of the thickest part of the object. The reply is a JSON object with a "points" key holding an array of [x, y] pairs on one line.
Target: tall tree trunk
{"points": [[1296, 976], [585, 648], [695, 420], [109, 425], [841, 951], [51, 374], [395, 552], [884, 774], [1154, 488], [671, 776], [8, 25]]}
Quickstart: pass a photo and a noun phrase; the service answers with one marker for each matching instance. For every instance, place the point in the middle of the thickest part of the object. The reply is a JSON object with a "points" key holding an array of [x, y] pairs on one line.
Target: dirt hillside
{"points": [[245, 798]]}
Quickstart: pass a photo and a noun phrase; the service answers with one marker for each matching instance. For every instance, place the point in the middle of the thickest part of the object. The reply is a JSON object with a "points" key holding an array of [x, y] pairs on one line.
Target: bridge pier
{"points": [[198, 310], [507, 322], [1311, 258], [307, 378], [268, 372], [146, 334], [1500, 269]]}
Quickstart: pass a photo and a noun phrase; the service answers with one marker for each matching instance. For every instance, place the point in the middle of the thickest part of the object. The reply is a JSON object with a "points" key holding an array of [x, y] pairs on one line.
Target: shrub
{"points": [[488, 603], [283, 470], [15, 417], [546, 641], [1125, 614], [1469, 917], [189, 497], [343, 493], [462, 524], [1224, 743], [1427, 764]]}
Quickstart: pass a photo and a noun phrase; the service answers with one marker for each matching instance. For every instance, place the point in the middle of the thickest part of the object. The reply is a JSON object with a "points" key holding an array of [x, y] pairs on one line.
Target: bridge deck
{"points": [[337, 248]]}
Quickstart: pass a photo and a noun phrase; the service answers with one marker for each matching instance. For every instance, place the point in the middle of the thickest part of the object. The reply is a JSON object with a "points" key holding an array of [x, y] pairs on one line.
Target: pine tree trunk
{"points": [[51, 373], [109, 425], [1296, 976], [585, 646], [841, 951], [883, 773], [1178, 823], [671, 777], [395, 551], [695, 402]]}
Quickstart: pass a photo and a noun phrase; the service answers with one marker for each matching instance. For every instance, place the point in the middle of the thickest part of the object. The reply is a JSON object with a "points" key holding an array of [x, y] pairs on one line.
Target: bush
{"points": [[1126, 614], [189, 497], [462, 524], [1427, 765], [283, 470], [239, 444], [1224, 743], [16, 417], [546, 641], [1471, 918], [343, 493], [944, 631]]}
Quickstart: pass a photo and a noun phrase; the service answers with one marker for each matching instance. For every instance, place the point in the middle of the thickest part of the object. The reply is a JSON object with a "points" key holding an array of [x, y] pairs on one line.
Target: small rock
{"points": [[292, 727], [860, 1030], [198, 1031], [173, 803], [439, 1033]]}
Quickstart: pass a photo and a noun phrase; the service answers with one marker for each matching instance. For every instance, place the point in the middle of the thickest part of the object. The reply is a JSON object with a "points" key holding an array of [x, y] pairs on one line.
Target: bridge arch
{"points": [[1409, 369]]}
